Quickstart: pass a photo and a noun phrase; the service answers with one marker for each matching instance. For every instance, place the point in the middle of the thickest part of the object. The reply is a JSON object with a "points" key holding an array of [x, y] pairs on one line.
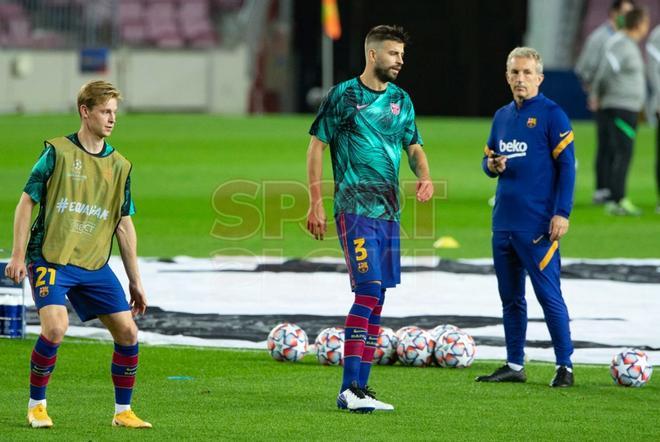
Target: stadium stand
{"points": [[595, 13], [167, 24]]}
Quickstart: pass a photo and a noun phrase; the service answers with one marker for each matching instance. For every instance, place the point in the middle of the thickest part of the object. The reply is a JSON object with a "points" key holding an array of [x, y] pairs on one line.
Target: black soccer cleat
{"points": [[563, 378], [504, 374]]}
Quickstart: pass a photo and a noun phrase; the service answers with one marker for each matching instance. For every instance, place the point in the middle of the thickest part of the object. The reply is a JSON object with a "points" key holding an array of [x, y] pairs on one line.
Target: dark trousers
{"points": [[657, 155], [602, 159], [516, 254], [619, 132]]}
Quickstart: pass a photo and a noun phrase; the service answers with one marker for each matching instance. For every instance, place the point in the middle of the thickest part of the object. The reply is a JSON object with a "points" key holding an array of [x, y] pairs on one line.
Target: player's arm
{"points": [[492, 163], [608, 66], [32, 194], [322, 131], [316, 220], [420, 166], [16, 269], [587, 62], [563, 153], [653, 71], [127, 240]]}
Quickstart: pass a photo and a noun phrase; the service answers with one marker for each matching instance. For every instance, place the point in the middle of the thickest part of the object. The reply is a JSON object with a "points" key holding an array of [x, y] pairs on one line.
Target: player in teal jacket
{"points": [[368, 122]]}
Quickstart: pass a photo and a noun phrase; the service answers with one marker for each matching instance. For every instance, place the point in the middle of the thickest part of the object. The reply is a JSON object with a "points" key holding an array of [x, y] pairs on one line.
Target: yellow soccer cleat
{"points": [[38, 417], [129, 419]]}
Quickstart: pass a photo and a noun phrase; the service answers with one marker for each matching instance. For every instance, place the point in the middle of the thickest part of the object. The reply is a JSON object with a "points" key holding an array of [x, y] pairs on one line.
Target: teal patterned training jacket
{"points": [[367, 131]]}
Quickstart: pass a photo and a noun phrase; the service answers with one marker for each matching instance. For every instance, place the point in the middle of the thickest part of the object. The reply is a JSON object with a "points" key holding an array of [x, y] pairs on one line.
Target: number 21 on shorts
{"points": [[44, 273]]}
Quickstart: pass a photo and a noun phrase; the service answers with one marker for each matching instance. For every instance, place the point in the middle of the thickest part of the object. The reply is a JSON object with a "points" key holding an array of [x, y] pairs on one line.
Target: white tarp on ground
{"points": [[604, 312]]}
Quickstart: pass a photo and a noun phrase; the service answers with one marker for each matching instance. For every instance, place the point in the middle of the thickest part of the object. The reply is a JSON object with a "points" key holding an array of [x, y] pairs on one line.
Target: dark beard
{"points": [[383, 75]]}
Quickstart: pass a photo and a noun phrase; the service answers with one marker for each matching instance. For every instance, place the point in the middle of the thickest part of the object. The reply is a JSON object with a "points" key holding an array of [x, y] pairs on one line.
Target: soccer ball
{"points": [[385, 353], [413, 348], [287, 342], [400, 333], [330, 346], [438, 331], [631, 368], [455, 349]]}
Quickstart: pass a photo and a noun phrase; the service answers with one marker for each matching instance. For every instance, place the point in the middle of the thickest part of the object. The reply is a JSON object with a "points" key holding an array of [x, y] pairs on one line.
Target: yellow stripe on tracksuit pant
{"points": [[515, 255]]}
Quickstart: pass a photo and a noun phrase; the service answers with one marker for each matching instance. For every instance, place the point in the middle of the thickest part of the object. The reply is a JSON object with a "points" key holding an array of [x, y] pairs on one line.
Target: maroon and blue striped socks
{"points": [[124, 368], [373, 330], [367, 296], [42, 364]]}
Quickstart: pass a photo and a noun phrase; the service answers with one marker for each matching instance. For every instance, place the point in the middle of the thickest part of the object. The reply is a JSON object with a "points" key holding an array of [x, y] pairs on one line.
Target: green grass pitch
{"points": [[194, 174], [245, 395]]}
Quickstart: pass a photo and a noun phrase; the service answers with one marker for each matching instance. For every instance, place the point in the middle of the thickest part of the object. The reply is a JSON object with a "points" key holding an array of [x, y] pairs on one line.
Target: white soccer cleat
{"points": [[353, 399], [378, 405]]}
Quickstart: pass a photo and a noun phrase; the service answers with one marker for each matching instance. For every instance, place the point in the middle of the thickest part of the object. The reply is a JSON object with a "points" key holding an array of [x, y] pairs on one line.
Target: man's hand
{"points": [[558, 227], [138, 299], [316, 221], [496, 164], [16, 270], [593, 104], [424, 189]]}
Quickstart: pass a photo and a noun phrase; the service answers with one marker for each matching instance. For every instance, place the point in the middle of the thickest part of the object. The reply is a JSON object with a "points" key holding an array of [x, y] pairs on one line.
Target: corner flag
{"points": [[330, 18]]}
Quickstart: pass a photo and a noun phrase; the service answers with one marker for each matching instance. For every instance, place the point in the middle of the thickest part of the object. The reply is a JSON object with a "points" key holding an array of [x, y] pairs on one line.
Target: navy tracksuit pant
{"points": [[515, 255]]}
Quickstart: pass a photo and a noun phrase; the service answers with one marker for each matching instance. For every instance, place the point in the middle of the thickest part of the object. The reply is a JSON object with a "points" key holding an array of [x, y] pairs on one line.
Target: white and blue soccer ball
{"points": [[330, 346], [631, 368], [385, 353], [437, 331], [287, 342], [414, 347], [400, 333], [455, 349]]}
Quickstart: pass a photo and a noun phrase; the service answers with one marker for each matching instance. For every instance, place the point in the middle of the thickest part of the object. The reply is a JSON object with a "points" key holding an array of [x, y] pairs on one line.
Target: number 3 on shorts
{"points": [[360, 251], [41, 274]]}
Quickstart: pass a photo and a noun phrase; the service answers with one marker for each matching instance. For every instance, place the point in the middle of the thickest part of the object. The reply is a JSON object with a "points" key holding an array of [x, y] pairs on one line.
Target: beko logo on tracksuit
{"points": [[513, 149], [514, 146]]}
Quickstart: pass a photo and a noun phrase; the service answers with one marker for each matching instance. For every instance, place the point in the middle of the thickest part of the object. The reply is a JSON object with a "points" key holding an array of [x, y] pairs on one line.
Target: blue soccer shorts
{"points": [[91, 292], [371, 248]]}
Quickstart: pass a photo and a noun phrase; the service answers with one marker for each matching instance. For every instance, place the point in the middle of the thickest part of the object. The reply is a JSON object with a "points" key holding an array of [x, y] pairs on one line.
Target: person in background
{"points": [[586, 66], [653, 65], [618, 91]]}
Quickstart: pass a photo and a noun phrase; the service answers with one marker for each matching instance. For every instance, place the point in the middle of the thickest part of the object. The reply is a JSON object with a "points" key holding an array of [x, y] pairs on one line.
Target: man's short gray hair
{"points": [[525, 52]]}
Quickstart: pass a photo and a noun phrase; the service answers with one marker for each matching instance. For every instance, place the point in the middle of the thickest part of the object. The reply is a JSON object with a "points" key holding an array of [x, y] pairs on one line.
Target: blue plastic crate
{"points": [[12, 306]]}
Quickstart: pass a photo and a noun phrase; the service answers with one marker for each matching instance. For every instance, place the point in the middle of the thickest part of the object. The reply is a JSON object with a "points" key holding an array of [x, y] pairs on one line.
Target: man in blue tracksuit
{"points": [[530, 150]]}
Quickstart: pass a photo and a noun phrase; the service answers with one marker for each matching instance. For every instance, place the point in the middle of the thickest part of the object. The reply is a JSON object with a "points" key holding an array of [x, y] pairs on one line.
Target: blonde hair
{"points": [[97, 92], [525, 52]]}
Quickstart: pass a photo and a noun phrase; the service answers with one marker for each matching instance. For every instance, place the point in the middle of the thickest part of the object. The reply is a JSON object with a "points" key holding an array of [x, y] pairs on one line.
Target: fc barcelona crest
{"points": [[531, 122], [363, 267], [395, 108], [43, 292]]}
